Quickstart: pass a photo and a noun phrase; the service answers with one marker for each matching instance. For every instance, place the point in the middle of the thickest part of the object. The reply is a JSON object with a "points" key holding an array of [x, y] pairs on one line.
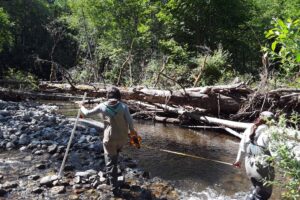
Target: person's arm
{"points": [[128, 118], [96, 110], [242, 148]]}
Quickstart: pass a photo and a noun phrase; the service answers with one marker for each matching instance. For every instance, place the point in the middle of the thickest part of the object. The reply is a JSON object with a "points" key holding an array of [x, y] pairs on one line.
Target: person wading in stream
{"points": [[118, 121], [255, 144]]}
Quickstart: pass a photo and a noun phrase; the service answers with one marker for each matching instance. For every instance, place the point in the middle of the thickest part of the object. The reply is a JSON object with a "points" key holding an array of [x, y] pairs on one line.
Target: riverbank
{"points": [[33, 141]]}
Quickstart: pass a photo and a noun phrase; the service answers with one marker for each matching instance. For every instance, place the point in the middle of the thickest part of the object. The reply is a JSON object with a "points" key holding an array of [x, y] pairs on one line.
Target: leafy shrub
{"points": [[214, 66], [26, 79], [285, 46], [286, 162]]}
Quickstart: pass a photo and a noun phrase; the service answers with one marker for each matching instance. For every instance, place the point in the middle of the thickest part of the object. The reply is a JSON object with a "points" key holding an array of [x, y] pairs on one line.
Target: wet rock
{"points": [[23, 148], [58, 190], [69, 167], [104, 187], [2, 119], [47, 180], [102, 180], [24, 139], [86, 186], [76, 186], [1, 176], [73, 197], [86, 173], [52, 148], [26, 118], [77, 179], [79, 191], [93, 131], [28, 158], [4, 113], [2, 192], [10, 184], [95, 184], [10, 145], [34, 177], [82, 139], [39, 152], [13, 138], [37, 190], [60, 149], [41, 166]]}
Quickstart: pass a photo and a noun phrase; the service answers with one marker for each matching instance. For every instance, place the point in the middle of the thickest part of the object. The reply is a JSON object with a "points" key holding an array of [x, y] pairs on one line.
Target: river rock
{"points": [[34, 177], [23, 148], [39, 152], [9, 185], [52, 148], [26, 118], [69, 167], [4, 113], [24, 139], [77, 179], [2, 118], [37, 190], [41, 166], [82, 139], [73, 197], [47, 180], [2, 192], [93, 131], [10, 145], [58, 190], [86, 173]]}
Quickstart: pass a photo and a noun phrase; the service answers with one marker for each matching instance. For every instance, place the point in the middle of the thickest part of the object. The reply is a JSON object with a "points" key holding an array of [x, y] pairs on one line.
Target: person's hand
{"points": [[80, 104], [237, 164]]}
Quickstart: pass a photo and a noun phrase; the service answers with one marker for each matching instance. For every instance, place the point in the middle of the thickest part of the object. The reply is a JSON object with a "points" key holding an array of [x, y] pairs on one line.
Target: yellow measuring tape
{"points": [[187, 155]]}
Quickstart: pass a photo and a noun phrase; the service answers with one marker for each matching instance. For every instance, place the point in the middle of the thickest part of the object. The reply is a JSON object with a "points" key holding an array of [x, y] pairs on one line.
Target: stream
{"points": [[193, 177]]}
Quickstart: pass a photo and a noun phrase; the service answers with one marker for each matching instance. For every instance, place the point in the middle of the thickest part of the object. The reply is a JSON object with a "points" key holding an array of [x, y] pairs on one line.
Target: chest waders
{"points": [[259, 170], [115, 136]]}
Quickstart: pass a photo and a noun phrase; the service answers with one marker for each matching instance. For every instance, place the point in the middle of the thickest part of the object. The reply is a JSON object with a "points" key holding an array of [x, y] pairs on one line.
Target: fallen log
{"points": [[222, 122], [213, 102]]}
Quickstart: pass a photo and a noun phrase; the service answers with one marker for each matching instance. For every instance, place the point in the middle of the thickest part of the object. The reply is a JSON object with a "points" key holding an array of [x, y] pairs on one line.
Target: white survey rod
{"points": [[70, 141]]}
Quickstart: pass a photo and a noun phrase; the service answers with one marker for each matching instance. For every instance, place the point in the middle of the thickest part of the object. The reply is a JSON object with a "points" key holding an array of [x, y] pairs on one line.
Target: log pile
{"points": [[190, 107]]}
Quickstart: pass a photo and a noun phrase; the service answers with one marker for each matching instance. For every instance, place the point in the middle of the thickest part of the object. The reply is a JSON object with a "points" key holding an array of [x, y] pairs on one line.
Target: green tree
{"points": [[5, 25]]}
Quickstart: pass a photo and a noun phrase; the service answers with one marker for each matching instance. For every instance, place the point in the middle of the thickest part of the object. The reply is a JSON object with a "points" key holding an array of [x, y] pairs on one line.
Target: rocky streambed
{"points": [[33, 139]]}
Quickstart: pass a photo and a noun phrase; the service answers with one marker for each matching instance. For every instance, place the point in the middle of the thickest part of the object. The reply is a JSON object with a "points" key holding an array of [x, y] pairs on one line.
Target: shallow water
{"points": [[193, 177]]}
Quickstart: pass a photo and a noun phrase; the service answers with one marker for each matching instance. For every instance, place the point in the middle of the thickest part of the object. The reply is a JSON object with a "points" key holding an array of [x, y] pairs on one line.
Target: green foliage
{"points": [[285, 47], [105, 36], [215, 65], [28, 80], [284, 158], [5, 34]]}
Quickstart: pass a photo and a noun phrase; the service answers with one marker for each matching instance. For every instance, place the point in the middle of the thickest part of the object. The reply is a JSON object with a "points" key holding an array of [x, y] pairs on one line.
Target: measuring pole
{"points": [[70, 141]]}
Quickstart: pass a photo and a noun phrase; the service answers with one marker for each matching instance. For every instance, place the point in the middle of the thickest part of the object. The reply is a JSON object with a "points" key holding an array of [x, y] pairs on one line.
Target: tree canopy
{"points": [[134, 42]]}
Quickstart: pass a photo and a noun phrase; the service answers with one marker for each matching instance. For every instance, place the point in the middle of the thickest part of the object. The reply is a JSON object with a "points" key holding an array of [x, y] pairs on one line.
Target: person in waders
{"points": [[255, 146], [118, 121]]}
